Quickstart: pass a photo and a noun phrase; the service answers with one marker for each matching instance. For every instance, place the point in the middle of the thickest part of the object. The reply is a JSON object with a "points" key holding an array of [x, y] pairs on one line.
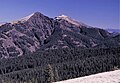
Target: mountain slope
{"points": [[38, 31], [20, 37]]}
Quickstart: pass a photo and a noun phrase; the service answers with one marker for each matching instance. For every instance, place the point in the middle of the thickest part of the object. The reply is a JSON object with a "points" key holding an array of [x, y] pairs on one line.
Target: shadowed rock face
{"points": [[41, 32], [19, 38]]}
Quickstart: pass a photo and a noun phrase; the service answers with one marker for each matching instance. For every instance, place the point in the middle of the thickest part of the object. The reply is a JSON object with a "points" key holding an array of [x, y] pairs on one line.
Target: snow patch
{"points": [[70, 20], [62, 16], [106, 77]]}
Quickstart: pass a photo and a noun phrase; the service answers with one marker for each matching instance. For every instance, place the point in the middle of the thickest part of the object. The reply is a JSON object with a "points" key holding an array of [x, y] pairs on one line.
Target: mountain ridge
{"points": [[38, 31]]}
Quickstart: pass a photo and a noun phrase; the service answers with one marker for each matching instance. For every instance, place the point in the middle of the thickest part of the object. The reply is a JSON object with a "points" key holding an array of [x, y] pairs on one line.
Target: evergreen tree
{"points": [[49, 76]]}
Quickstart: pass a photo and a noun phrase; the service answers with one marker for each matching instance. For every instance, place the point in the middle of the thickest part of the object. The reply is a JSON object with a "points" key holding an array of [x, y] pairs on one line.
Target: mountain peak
{"points": [[70, 20], [24, 19], [62, 17], [65, 17], [29, 16]]}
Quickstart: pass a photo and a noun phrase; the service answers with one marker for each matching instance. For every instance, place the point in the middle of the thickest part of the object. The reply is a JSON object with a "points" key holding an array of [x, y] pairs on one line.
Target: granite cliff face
{"points": [[41, 32]]}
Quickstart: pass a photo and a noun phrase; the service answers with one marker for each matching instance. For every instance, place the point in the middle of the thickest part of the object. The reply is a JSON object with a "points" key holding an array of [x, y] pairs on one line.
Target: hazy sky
{"points": [[99, 13]]}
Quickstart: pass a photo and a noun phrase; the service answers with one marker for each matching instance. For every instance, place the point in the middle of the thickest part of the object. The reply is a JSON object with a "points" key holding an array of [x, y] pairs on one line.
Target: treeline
{"points": [[59, 64]]}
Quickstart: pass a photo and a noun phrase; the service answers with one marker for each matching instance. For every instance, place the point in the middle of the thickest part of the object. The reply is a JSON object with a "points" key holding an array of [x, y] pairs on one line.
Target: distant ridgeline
{"points": [[113, 30], [58, 64]]}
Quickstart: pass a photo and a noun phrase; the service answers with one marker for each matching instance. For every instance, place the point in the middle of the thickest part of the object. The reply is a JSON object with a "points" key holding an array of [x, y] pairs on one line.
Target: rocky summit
{"points": [[38, 31]]}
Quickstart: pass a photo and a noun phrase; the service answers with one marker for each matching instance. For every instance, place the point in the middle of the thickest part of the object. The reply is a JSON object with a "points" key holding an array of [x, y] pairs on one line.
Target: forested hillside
{"points": [[58, 64]]}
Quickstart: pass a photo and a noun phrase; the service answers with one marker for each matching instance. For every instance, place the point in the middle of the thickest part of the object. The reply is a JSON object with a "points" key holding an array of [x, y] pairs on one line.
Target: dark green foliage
{"points": [[59, 64]]}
